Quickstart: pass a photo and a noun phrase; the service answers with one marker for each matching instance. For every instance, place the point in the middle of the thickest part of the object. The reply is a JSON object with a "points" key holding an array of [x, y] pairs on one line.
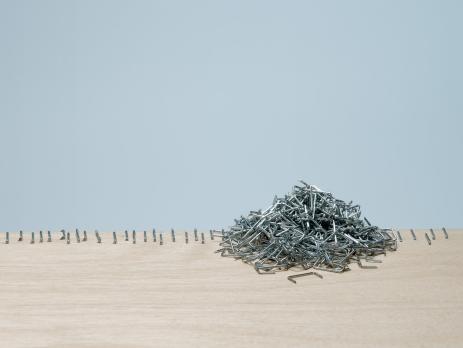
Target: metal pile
{"points": [[308, 228]]}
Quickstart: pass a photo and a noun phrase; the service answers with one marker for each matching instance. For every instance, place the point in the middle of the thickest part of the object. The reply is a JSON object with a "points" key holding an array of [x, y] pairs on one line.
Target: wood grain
{"points": [[183, 295]]}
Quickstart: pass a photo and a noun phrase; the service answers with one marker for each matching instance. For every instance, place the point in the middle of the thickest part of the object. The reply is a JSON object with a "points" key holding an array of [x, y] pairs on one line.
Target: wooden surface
{"points": [[183, 295]]}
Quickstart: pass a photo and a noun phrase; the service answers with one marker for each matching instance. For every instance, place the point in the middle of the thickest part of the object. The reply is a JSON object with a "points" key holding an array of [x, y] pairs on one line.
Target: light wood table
{"points": [[183, 295]]}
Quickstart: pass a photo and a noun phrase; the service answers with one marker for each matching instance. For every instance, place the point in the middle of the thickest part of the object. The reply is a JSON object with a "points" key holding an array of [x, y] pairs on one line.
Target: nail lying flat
{"points": [[292, 277]]}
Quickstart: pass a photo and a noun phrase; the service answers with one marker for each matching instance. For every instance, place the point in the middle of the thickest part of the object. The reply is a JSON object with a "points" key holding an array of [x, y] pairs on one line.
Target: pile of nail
{"points": [[308, 228]]}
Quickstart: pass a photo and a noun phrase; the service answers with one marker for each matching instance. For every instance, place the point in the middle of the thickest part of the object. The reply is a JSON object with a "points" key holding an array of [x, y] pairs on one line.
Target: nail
{"points": [[413, 234], [400, 236], [427, 238], [292, 277], [433, 235], [98, 238], [445, 233]]}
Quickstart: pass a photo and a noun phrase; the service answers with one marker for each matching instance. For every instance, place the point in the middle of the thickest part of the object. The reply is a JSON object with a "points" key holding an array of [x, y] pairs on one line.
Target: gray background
{"points": [[131, 114]]}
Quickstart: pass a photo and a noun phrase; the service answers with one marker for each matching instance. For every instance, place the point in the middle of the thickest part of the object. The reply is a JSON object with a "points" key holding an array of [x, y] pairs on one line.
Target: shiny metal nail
{"points": [[427, 238], [445, 233]]}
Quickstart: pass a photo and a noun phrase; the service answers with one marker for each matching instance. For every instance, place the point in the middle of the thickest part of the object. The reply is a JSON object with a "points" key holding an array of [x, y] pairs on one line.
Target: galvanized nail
{"points": [[427, 238], [292, 277], [308, 228], [445, 233], [97, 235], [400, 236]]}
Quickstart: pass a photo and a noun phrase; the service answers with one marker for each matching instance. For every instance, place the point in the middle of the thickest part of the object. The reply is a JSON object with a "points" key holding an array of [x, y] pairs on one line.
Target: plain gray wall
{"points": [[132, 114]]}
